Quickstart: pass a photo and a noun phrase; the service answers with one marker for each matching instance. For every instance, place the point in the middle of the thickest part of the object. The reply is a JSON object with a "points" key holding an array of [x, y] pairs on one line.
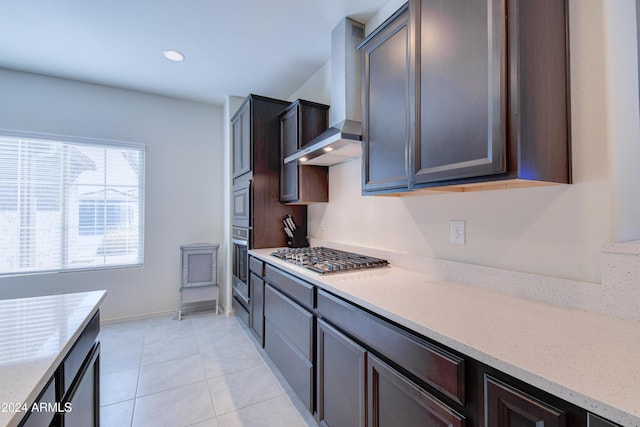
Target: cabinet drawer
{"points": [[297, 370], [293, 321], [596, 421], [429, 363], [79, 352], [256, 266], [396, 401], [293, 287]]}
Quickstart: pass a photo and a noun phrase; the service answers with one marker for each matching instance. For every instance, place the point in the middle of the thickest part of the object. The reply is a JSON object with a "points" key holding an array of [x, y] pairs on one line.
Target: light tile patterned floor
{"points": [[203, 371]]}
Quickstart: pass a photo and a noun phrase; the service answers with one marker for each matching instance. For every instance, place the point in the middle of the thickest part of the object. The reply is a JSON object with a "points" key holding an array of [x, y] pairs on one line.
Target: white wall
{"points": [[184, 175], [554, 231]]}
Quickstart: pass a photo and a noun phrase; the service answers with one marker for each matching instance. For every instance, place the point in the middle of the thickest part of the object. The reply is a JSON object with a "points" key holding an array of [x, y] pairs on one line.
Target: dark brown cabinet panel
{"points": [[295, 288], [463, 96], [341, 379], [241, 141], [507, 406], [255, 138], [396, 401], [42, 418], [459, 111], [539, 114], [299, 124], [84, 395], [385, 123], [256, 292]]}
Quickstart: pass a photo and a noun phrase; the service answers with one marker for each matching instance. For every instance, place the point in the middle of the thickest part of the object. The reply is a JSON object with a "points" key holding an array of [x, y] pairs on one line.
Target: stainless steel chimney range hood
{"points": [[342, 141]]}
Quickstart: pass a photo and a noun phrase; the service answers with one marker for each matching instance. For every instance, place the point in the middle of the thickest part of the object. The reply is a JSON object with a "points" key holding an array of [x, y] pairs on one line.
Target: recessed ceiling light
{"points": [[173, 55]]}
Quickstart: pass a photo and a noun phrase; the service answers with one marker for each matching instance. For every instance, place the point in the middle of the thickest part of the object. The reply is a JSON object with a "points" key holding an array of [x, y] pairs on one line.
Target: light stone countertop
{"points": [[585, 358], [35, 336]]}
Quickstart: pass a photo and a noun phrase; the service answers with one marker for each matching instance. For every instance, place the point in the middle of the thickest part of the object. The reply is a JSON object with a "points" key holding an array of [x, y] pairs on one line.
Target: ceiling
{"points": [[231, 47]]}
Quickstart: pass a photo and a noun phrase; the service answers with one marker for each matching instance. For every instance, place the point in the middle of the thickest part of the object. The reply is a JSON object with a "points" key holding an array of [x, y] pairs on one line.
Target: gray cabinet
{"points": [[199, 274]]}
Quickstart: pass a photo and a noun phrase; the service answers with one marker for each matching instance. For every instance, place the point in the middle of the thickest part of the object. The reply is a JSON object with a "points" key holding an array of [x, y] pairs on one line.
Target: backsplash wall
{"points": [[555, 231]]}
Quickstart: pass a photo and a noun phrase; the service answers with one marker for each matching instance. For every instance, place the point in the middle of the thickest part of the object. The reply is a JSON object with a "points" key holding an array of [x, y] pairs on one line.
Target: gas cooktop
{"points": [[325, 260]]}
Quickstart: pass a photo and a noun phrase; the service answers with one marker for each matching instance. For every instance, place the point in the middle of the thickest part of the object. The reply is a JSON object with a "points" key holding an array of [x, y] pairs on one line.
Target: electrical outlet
{"points": [[458, 232]]}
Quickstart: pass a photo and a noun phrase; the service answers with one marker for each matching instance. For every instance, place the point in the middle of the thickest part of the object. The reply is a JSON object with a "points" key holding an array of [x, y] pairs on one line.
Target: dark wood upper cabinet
{"points": [[255, 138], [458, 63], [241, 137], [467, 96], [299, 124], [385, 122]]}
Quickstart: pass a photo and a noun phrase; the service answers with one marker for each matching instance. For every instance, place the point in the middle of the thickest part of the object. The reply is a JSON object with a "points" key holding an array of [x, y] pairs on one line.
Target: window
{"points": [[68, 204]]}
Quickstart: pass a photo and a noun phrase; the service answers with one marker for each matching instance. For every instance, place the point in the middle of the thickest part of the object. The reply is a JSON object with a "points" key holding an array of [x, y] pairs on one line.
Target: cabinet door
{"points": [[396, 401], [256, 293], [506, 406], [83, 399], [241, 141], [341, 379], [290, 144], [460, 102], [386, 106]]}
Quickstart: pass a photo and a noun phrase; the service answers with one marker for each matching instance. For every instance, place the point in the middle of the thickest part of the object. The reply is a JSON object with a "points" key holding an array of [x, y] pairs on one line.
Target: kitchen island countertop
{"points": [[35, 335], [585, 358]]}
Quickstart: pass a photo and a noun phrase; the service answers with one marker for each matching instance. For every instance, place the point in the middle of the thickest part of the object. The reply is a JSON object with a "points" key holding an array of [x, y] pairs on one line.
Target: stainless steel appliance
{"points": [[240, 265], [325, 260]]}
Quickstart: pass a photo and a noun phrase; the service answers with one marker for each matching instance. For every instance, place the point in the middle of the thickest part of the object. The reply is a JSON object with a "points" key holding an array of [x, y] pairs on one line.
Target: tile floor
{"points": [[203, 371]]}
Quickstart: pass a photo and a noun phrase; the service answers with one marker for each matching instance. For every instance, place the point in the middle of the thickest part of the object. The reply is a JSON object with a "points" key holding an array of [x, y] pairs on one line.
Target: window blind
{"points": [[68, 204]]}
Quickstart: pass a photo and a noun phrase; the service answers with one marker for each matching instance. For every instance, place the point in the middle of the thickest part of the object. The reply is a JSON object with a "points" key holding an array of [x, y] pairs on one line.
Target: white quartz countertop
{"points": [[35, 336], [585, 358]]}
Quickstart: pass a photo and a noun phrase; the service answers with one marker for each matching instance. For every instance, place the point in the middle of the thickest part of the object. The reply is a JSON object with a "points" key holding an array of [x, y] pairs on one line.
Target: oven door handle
{"points": [[240, 242]]}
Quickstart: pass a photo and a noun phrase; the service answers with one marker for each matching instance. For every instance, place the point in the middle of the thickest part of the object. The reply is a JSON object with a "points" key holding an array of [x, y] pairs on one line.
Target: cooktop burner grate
{"points": [[325, 260]]}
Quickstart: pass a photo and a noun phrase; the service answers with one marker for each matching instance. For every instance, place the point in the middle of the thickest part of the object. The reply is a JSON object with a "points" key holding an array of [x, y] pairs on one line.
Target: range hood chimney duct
{"points": [[341, 142]]}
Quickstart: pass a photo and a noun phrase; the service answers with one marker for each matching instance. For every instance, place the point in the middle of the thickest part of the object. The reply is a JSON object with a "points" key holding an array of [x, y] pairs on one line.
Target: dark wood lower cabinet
{"points": [[351, 367], [288, 340], [341, 385], [506, 406], [82, 405], [71, 398], [396, 401], [256, 290]]}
